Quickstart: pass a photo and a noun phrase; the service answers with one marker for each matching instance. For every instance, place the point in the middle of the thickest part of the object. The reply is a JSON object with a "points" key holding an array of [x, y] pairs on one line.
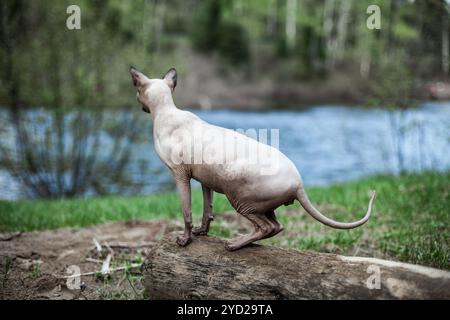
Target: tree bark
{"points": [[205, 270], [445, 42], [291, 22]]}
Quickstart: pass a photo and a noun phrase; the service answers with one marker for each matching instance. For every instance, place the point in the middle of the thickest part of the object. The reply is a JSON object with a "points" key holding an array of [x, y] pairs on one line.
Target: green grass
{"points": [[410, 221]]}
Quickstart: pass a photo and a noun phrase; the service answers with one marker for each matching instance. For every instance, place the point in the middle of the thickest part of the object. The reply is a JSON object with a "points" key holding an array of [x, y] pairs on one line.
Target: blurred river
{"points": [[328, 144]]}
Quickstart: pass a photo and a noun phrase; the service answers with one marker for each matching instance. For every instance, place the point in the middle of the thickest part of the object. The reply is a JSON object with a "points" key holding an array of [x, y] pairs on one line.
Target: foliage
{"points": [[46, 64], [205, 33], [210, 32], [233, 43]]}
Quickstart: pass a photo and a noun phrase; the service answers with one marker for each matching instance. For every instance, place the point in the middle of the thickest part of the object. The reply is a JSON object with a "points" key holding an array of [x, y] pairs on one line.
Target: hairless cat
{"points": [[255, 177]]}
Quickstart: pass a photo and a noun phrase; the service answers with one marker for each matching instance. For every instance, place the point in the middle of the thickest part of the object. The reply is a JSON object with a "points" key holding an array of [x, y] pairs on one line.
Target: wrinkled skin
{"points": [[194, 149]]}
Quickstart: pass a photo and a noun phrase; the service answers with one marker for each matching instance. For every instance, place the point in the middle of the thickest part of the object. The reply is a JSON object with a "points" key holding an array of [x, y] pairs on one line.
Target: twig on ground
{"points": [[124, 245], [97, 245], [105, 266], [134, 265], [9, 235], [111, 251]]}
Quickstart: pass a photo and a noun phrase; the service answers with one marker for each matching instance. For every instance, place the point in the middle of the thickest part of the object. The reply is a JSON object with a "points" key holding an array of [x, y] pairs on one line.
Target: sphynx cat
{"points": [[255, 177]]}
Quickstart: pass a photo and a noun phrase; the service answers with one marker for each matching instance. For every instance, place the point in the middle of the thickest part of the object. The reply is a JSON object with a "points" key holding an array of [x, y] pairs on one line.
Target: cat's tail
{"points": [[308, 206]]}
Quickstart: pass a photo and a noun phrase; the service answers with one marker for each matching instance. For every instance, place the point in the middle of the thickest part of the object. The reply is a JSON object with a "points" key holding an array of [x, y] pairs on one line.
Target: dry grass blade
{"points": [[112, 270]]}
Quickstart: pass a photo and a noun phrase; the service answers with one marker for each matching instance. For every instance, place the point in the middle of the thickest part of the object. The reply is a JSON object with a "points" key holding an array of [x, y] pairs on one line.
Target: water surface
{"points": [[328, 144]]}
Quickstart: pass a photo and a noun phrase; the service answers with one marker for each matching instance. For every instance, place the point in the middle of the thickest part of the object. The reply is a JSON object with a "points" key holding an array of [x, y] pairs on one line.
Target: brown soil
{"points": [[32, 263]]}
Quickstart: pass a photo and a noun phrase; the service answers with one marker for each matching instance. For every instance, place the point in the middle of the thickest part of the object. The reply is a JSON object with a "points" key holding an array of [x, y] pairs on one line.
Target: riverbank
{"points": [[409, 223], [205, 83]]}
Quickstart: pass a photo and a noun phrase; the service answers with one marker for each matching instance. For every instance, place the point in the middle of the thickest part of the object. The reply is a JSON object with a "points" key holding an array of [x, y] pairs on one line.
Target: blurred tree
{"points": [[434, 18], [291, 22], [84, 64], [61, 155], [393, 87], [206, 24], [233, 45], [211, 32]]}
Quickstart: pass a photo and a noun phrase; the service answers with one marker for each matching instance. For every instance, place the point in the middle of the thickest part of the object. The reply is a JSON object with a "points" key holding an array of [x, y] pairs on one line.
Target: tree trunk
{"points": [[291, 22], [342, 26], [327, 27], [205, 270], [445, 42]]}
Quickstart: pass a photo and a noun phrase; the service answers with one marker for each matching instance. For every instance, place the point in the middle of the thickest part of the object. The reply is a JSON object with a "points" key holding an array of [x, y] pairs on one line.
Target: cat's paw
{"points": [[183, 241]]}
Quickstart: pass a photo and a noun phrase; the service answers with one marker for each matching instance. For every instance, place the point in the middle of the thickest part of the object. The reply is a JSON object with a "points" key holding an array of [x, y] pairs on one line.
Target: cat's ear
{"points": [[138, 77], [171, 78]]}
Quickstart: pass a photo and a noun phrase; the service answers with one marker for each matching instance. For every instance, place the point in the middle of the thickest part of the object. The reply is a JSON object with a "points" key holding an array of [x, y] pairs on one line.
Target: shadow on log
{"points": [[205, 270]]}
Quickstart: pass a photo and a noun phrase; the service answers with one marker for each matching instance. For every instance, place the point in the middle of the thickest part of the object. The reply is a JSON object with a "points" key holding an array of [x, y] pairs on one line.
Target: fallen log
{"points": [[205, 270]]}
